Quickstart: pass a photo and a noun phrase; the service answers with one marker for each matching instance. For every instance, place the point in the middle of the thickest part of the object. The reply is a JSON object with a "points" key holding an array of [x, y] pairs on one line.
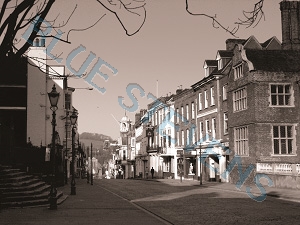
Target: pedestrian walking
{"points": [[152, 172]]}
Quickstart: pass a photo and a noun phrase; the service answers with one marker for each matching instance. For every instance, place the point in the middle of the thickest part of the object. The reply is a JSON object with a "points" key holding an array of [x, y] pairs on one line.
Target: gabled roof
{"points": [[210, 63], [275, 60], [266, 43], [270, 43], [252, 43], [224, 54]]}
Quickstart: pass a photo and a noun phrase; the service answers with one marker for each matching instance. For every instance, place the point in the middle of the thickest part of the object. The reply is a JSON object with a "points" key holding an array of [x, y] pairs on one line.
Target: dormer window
{"points": [[238, 71], [223, 57], [210, 66], [220, 64], [207, 72]]}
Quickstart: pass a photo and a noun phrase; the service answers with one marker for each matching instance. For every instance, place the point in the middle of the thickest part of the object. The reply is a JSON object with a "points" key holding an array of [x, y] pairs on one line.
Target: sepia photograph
{"points": [[179, 112]]}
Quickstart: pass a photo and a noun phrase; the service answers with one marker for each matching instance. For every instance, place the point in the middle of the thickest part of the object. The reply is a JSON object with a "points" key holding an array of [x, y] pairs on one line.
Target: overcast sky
{"points": [[171, 47]]}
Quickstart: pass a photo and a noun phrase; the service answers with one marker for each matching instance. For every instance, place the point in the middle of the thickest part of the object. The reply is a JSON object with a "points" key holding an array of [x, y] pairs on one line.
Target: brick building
{"points": [[212, 117], [243, 114], [185, 104], [263, 110]]}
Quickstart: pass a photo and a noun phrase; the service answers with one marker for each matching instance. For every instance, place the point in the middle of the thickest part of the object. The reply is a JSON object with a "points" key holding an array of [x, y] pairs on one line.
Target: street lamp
{"points": [[67, 125], [73, 119], [66, 149], [53, 97]]}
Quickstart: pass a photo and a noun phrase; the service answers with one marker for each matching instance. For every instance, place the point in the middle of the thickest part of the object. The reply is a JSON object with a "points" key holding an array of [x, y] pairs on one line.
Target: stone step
{"points": [[37, 190], [20, 189], [31, 203], [10, 171], [23, 198], [14, 179], [30, 186], [2, 167], [27, 182]]}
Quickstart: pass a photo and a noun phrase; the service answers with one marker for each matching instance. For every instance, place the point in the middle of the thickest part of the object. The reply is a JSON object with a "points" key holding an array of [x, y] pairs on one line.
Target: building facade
{"points": [[239, 123], [26, 115]]}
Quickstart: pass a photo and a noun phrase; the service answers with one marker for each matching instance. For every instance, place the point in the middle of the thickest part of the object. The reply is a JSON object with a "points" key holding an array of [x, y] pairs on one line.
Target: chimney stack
{"points": [[290, 16]]}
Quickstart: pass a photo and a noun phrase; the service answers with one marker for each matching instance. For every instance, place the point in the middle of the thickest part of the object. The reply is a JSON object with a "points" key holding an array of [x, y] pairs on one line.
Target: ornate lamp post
{"points": [[53, 97], [66, 150], [73, 119]]}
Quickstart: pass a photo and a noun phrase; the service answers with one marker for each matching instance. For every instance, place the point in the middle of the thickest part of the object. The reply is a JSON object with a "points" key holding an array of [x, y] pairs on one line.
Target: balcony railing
{"points": [[283, 168], [154, 149], [277, 168]]}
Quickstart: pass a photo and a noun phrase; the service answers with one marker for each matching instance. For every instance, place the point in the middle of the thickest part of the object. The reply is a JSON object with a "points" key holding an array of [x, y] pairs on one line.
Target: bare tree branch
{"points": [[215, 22], [64, 23], [131, 18], [253, 17], [37, 26], [52, 36], [3, 9], [22, 18], [85, 28], [9, 24]]}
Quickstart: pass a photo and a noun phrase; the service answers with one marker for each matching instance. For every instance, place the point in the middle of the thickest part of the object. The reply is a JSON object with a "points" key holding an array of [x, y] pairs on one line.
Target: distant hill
{"points": [[94, 136], [97, 140]]}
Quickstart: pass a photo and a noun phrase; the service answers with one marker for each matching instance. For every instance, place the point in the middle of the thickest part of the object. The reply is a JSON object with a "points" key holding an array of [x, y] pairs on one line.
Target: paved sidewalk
{"points": [[286, 194], [91, 205]]}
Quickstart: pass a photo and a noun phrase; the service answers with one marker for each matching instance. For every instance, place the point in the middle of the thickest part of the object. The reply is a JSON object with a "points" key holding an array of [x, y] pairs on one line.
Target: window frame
{"points": [[244, 140], [213, 127], [188, 137], [201, 129], [193, 110], [291, 94], [187, 112], [207, 127], [240, 101], [225, 119], [200, 101], [193, 130], [205, 99], [292, 138], [212, 96], [177, 115], [224, 92], [238, 71]]}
